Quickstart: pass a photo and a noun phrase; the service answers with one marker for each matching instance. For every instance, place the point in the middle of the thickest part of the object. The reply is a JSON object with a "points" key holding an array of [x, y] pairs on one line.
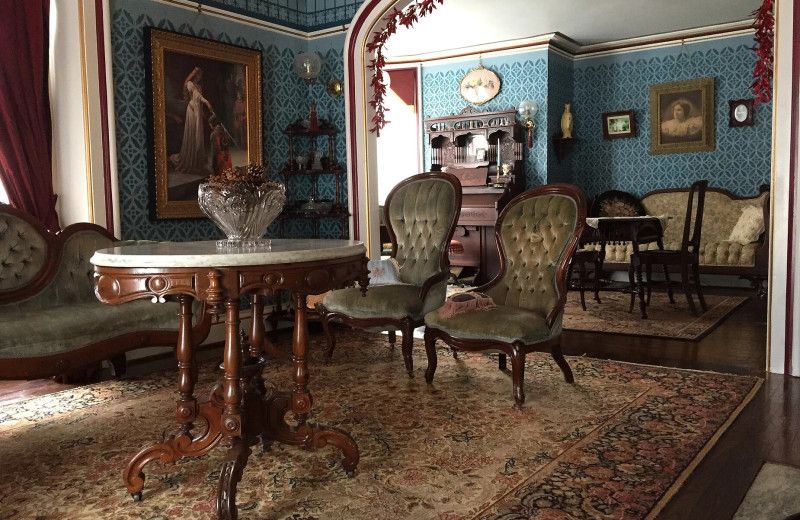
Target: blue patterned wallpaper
{"points": [[306, 15], [523, 77], [286, 98], [741, 161]]}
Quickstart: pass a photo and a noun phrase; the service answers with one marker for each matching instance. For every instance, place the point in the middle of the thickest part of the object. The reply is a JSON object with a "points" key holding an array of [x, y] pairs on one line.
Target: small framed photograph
{"points": [[617, 125], [740, 112], [682, 116]]}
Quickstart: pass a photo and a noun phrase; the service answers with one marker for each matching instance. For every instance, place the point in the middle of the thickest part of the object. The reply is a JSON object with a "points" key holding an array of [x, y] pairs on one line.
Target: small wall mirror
{"points": [[477, 149]]}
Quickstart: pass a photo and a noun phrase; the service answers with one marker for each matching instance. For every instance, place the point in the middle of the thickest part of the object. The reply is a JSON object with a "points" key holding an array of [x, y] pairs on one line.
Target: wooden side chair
{"points": [[688, 257], [537, 233], [589, 261], [420, 216]]}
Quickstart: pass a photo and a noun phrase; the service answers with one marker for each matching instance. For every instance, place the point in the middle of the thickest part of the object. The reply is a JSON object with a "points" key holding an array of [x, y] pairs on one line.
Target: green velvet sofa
{"points": [[51, 323], [722, 250]]}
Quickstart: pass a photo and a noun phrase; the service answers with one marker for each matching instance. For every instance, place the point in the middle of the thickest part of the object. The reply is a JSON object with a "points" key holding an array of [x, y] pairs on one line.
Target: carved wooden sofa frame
{"points": [[51, 323], [756, 272]]}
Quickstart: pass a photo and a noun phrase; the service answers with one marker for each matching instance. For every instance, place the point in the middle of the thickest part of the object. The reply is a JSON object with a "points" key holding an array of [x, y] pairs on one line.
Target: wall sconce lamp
{"points": [[307, 65], [527, 111]]}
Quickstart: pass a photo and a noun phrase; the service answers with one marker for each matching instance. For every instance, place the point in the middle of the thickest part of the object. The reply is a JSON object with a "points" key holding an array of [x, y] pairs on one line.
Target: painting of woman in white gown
{"points": [[192, 159], [205, 116], [682, 116], [208, 90]]}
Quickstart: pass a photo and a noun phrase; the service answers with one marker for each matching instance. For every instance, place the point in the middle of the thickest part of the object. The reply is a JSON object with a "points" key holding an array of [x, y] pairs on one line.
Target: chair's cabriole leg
{"points": [[698, 289], [408, 345], [597, 265], [518, 373], [430, 351], [670, 293], [558, 356], [686, 290], [582, 270], [330, 337], [632, 282]]}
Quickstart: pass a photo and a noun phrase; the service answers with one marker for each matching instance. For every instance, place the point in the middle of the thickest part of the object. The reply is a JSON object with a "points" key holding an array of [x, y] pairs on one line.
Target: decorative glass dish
{"points": [[242, 210]]}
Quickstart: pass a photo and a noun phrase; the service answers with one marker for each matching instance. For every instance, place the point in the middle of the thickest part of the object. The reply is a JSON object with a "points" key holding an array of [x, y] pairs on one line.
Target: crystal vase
{"points": [[242, 210]]}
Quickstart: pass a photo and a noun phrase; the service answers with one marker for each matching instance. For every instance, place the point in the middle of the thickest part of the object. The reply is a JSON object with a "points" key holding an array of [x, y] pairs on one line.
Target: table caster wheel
{"points": [[137, 497]]}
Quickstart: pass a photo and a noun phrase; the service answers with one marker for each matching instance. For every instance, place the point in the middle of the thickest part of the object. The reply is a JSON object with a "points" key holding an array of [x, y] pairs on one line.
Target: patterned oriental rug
{"points": [[616, 444], [664, 320]]}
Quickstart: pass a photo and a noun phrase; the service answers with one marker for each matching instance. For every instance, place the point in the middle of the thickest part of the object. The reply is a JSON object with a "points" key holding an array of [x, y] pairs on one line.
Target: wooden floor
{"points": [[767, 430]]}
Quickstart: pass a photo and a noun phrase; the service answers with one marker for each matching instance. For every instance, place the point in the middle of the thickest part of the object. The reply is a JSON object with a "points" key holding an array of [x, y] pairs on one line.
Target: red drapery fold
{"points": [[25, 128]]}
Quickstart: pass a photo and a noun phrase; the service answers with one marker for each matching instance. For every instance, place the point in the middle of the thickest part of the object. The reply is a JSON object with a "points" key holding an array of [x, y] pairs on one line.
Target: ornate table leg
{"points": [[276, 403], [230, 475], [301, 398], [231, 420], [259, 344], [257, 340], [183, 444]]}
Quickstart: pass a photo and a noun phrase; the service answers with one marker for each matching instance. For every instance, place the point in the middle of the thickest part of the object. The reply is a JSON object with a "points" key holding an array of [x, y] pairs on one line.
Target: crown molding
{"points": [[569, 48], [699, 34]]}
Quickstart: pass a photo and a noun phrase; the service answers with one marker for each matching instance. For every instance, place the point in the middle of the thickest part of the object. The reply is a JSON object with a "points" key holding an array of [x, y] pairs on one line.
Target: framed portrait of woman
{"points": [[205, 115], [682, 116]]}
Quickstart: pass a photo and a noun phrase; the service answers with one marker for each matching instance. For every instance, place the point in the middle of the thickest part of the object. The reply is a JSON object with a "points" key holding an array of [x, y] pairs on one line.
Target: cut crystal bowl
{"points": [[242, 210]]}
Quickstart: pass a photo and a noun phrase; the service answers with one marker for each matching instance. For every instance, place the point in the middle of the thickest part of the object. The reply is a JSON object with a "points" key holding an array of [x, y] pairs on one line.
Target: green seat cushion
{"points": [[69, 327], [385, 301], [500, 323]]}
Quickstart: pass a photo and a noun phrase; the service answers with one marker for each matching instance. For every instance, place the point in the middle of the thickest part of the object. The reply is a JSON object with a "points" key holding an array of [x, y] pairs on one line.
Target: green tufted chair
{"points": [[537, 233], [420, 215]]}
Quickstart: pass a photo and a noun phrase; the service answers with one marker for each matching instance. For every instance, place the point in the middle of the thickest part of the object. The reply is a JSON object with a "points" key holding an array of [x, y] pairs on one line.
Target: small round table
{"points": [[243, 407]]}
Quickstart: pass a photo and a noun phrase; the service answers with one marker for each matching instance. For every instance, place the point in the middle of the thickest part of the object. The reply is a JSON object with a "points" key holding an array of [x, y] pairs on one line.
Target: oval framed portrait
{"points": [[479, 86], [740, 112]]}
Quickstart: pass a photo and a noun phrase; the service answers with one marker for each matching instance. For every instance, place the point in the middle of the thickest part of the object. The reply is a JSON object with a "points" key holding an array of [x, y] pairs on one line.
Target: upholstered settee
{"points": [[51, 323], [735, 233]]}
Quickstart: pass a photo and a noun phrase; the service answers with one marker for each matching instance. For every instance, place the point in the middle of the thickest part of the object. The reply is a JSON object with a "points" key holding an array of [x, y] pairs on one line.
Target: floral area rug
{"points": [[664, 319], [614, 445]]}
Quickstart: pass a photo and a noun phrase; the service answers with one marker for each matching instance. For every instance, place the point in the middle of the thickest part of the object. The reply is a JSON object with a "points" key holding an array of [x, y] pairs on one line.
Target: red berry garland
{"points": [[764, 25], [406, 18]]}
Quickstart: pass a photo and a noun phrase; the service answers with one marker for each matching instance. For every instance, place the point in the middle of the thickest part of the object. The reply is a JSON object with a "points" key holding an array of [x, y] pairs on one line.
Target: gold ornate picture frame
{"points": [[479, 86], [682, 116], [205, 115]]}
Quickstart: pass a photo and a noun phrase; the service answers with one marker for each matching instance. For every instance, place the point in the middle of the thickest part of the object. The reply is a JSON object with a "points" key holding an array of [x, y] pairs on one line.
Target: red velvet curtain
{"points": [[25, 129]]}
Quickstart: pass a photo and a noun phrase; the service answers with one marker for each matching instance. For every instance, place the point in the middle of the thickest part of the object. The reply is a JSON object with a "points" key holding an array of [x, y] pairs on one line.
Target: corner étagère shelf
{"points": [[313, 209]]}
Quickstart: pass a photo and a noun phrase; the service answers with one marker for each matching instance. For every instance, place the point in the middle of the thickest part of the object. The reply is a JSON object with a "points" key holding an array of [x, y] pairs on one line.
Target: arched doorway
{"points": [[782, 337]]}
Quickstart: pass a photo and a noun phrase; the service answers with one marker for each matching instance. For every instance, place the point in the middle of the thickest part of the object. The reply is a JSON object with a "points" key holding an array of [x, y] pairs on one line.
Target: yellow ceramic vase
{"points": [[566, 123]]}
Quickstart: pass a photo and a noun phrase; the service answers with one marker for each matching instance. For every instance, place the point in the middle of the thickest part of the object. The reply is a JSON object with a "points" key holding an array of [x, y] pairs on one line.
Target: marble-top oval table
{"points": [[243, 407]]}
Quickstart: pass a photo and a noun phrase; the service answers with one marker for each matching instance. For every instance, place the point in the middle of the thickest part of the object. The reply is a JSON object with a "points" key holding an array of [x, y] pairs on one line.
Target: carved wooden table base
{"points": [[244, 408]]}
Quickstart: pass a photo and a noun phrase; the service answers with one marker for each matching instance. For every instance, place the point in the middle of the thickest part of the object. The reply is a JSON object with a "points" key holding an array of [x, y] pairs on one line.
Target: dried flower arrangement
{"points": [[252, 174]]}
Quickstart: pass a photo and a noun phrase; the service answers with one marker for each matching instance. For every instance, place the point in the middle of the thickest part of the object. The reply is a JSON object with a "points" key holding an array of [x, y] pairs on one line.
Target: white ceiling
{"points": [[464, 23]]}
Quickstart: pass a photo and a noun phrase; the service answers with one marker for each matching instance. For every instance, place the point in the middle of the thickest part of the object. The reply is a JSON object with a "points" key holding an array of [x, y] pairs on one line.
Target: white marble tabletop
{"points": [[206, 254], [594, 222]]}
